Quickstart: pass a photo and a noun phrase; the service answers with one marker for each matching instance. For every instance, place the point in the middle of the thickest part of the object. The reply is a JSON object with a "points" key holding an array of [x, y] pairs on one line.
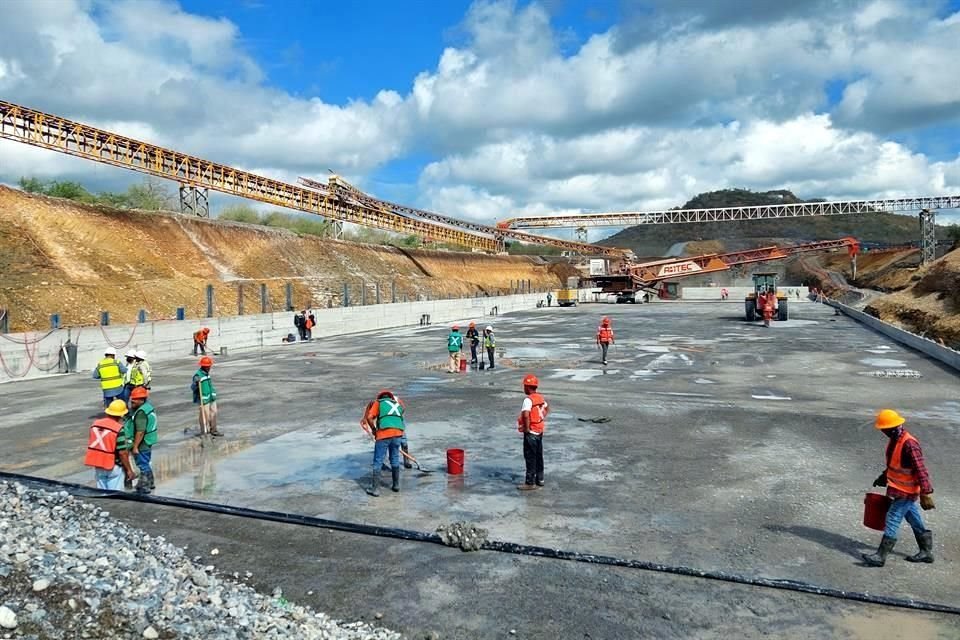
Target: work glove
{"points": [[881, 480], [926, 502]]}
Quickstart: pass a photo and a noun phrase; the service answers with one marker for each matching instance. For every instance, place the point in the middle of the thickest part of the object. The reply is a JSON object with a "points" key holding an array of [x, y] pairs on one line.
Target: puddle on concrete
{"points": [[654, 349], [703, 381], [886, 363], [581, 375], [671, 361], [769, 396]]}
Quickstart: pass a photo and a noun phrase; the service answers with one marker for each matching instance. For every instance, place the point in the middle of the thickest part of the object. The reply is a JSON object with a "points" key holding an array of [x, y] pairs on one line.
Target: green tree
{"points": [[69, 190], [953, 234], [151, 195], [33, 185], [240, 213]]}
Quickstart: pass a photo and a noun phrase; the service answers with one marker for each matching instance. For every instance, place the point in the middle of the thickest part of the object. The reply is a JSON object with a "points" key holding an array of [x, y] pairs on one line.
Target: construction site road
{"points": [[707, 442]]}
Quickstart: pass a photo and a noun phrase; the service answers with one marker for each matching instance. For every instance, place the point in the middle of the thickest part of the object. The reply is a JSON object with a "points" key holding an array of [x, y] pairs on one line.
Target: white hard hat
{"points": [[130, 354], [489, 328], [110, 351], [140, 355]]}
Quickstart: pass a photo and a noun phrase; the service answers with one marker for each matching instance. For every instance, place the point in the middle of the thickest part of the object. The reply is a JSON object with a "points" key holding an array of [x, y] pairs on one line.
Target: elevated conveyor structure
{"points": [[336, 202]]}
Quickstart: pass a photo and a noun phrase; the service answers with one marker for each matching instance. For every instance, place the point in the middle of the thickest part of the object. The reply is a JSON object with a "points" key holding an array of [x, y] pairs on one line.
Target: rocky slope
{"points": [[58, 256]]}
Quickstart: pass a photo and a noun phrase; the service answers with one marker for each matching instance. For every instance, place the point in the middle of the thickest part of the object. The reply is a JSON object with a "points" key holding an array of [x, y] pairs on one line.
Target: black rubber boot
{"points": [[151, 482], [374, 489], [406, 461], [879, 558], [396, 480], [925, 542]]}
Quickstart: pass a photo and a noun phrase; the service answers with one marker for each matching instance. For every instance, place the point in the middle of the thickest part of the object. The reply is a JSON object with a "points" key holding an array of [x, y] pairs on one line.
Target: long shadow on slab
{"points": [[828, 539]]}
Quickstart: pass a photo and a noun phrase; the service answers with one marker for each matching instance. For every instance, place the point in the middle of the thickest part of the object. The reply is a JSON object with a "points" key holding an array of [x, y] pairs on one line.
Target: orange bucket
{"points": [[875, 507], [455, 459], [463, 364]]}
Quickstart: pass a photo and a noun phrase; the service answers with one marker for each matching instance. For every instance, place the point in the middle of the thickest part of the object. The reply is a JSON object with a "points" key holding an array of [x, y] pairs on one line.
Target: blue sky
{"points": [[485, 109]]}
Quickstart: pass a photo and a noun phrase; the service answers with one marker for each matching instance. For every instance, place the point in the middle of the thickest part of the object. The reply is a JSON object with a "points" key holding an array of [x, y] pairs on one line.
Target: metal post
{"points": [[104, 318], [4, 321], [142, 316], [346, 294], [209, 300], [363, 294], [239, 299], [263, 298], [194, 201], [289, 296], [377, 285], [54, 321], [393, 291], [928, 236]]}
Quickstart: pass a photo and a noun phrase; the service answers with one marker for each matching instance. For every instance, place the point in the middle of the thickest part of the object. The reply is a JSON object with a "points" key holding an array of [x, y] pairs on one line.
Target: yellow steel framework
{"points": [[39, 129]]}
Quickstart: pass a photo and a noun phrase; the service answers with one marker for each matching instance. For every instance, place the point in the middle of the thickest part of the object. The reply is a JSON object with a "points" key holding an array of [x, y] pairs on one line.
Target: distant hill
{"points": [[879, 227]]}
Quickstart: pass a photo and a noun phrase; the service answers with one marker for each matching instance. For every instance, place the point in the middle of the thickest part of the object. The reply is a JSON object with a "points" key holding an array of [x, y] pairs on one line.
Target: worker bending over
{"points": [[200, 341], [605, 337], [532, 423], [384, 419], [906, 479]]}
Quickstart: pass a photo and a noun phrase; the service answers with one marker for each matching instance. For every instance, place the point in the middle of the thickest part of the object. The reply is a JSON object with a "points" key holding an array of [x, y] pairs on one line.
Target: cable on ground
{"points": [[492, 545]]}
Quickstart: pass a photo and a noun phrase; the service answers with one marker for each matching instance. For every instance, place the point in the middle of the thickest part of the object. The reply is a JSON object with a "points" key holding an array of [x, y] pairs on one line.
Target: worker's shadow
{"points": [[835, 541]]}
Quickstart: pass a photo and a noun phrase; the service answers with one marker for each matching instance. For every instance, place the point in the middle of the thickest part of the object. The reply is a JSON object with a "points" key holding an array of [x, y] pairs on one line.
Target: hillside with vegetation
{"points": [[877, 227]]}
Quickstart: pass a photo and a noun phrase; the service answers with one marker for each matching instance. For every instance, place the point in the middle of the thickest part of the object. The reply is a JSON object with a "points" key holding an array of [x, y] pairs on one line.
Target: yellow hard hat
{"points": [[888, 419], [117, 409]]}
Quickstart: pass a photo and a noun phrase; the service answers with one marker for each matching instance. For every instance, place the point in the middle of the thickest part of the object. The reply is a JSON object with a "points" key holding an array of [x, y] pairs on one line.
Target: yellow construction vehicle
{"points": [[765, 282]]}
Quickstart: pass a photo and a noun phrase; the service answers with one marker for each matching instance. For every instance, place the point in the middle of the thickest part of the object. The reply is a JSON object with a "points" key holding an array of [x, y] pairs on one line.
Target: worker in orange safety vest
{"points": [[532, 422], [200, 341], [908, 482], [102, 453], [605, 337]]}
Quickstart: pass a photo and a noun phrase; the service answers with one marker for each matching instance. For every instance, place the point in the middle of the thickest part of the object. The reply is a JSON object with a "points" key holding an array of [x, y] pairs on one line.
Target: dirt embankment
{"points": [[931, 305], [58, 256]]}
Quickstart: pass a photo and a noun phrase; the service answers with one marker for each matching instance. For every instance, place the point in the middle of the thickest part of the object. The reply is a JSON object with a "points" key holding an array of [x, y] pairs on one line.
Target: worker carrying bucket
{"points": [[907, 481]]}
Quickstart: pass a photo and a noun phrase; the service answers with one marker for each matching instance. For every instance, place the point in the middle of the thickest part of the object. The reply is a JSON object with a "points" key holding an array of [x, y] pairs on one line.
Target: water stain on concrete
{"points": [[885, 363]]}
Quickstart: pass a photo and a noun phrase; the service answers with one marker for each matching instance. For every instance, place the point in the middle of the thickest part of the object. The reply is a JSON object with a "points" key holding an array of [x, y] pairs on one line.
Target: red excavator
{"points": [[651, 277]]}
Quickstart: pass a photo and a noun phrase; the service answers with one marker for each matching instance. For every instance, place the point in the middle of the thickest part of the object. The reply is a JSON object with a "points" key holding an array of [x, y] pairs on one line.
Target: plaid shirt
{"points": [[911, 457]]}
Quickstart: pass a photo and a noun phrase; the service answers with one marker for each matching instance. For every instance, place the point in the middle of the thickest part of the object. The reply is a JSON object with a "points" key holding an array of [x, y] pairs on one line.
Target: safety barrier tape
{"points": [[491, 545]]}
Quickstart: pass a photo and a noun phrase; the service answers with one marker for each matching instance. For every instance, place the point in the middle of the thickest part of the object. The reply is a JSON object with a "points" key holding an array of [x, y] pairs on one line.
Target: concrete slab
{"points": [[729, 446]]}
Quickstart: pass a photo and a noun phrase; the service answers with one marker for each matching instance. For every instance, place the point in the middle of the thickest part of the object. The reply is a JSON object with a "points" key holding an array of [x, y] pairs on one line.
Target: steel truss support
{"points": [[928, 235], [194, 201]]}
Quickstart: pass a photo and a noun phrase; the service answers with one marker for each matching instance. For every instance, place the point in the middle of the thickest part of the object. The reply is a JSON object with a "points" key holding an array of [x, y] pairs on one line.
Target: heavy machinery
{"points": [[765, 282], [568, 297], [650, 278]]}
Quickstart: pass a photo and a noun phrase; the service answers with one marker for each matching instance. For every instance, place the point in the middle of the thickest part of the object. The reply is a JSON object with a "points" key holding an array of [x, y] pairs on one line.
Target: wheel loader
{"points": [[765, 282]]}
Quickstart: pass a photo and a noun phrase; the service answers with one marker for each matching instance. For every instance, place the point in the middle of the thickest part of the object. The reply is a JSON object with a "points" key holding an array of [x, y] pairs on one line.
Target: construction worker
{"points": [[605, 337], [102, 453], [138, 435], [906, 479], [549, 299], [384, 419], [454, 347], [110, 374], [132, 377], [769, 306], [144, 366], [532, 423], [489, 343], [205, 395], [474, 337], [200, 341]]}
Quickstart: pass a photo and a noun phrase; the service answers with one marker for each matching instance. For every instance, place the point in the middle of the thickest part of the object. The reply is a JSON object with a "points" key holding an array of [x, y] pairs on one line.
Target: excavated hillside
{"points": [[930, 305], [59, 256]]}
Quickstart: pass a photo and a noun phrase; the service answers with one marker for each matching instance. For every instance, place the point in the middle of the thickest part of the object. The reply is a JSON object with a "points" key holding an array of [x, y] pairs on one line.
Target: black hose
{"points": [[491, 545]]}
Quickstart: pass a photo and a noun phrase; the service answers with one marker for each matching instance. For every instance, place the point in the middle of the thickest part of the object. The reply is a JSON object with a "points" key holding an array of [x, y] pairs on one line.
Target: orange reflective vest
{"points": [[898, 476], [605, 334], [538, 414], [200, 337], [102, 448]]}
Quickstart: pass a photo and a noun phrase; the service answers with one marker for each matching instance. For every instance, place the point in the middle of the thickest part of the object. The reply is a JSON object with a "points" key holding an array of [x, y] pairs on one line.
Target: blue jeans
{"points": [[143, 460], [900, 509], [117, 395], [380, 452], [111, 480]]}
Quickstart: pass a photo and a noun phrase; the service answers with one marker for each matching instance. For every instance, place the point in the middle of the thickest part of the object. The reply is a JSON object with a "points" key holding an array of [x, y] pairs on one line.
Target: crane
{"points": [[335, 201]]}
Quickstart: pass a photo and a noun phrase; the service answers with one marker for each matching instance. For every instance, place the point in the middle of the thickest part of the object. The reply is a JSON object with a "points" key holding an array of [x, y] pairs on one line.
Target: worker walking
{"points": [[549, 299], [906, 479], [489, 344], [102, 453], [454, 347], [139, 434], [200, 341], [384, 418], [532, 423], [110, 374], [144, 366], [605, 337], [205, 394], [474, 337]]}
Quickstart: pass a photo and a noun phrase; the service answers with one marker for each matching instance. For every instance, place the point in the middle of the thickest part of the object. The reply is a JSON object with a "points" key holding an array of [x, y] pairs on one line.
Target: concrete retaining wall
{"points": [[926, 346], [31, 355], [736, 293]]}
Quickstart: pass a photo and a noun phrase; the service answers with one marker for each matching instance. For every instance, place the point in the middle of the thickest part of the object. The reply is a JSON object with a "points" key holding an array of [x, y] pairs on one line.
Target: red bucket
{"points": [[455, 461], [463, 364], [875, 507]]}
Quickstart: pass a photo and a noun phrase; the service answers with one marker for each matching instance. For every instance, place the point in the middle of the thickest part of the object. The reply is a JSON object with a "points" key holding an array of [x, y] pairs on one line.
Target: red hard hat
{"points": [[206, 361], [605, 320], [455, 327], [139, 393], [473, 324], [206, 330], [530, 380], [384, 393]]}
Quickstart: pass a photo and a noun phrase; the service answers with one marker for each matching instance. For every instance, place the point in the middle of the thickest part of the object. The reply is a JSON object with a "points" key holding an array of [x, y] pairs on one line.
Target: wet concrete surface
{"points": [[729, 446]]}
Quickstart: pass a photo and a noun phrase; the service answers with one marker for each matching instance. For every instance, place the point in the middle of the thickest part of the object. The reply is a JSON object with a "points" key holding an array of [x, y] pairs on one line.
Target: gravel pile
{"points": [[467, 537], [68, 570]]}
